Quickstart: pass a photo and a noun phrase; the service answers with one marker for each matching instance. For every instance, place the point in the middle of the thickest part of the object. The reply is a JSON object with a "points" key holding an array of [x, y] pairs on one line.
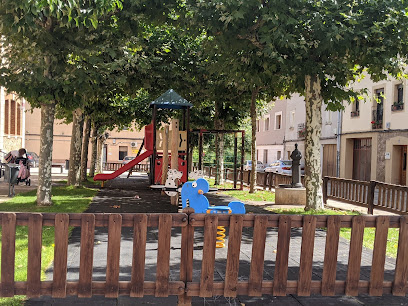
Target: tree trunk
{"points": [[165, 161], [190, 157], [85, 146], [99, 159], [313, 177], [253, 140], [46, 143], [219, 143], [94, 141], [175, 127], [74, 174], [219, 156]]}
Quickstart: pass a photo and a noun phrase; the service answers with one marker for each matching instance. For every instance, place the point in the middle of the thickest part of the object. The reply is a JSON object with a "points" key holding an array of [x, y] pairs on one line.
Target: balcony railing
{"points": [[377, 119], [397, 106]]}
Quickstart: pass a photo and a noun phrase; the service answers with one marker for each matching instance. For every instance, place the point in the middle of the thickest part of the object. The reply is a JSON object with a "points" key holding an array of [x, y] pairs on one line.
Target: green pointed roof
{"points": [[171, 99]]}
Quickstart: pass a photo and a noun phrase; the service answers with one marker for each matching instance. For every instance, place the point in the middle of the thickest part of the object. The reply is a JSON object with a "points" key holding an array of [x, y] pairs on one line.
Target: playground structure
{"points": [[157, 147], [235, 178], [161, 145]]}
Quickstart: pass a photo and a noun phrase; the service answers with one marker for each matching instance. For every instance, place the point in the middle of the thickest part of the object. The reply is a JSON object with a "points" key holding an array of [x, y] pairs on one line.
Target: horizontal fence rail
{"points": [[373, 194], [263, 243], [265, 180], [115, 166], [85, 286]]}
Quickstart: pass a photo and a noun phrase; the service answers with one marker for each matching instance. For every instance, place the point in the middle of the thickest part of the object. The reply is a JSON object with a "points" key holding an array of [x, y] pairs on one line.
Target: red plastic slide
{"points": [[127, 167]]}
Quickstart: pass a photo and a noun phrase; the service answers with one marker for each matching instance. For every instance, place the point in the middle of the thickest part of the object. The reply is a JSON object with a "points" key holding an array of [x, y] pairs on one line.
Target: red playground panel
{"points": [[149, 137], [182, 166]]}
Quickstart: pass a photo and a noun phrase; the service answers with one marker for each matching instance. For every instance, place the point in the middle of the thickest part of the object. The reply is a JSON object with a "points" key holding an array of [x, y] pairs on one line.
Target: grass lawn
{"points": [[89, 182], [244, 195], [369, 232], [65, 200]]}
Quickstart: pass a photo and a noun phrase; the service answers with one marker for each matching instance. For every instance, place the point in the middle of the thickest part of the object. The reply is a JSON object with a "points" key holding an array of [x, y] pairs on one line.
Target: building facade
{"points": [[116, 147], [281, 142], [12, 121], [375, 133], [270, 133]]}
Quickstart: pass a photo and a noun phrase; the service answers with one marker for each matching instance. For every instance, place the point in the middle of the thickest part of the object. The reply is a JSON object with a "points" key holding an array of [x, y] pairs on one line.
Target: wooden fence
{"points": [[265, 180], [185, 286], [378, 195], [116, 166]]}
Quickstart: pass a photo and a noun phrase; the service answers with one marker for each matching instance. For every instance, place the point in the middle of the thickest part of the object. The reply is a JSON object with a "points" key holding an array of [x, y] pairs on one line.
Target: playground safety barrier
{"points": [[265, 180], [115, 166], [373, 194], [202, 229]]}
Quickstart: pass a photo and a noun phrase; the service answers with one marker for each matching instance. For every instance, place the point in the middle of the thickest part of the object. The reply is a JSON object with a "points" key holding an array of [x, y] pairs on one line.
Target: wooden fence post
{"points": [[370, 197], [186, 263], [265, 181], [325, 181], [270, 183]]}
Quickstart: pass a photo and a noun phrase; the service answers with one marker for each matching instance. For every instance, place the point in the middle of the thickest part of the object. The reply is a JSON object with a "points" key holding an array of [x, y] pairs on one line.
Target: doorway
{"points": [[403, 166], [362, 159], [329, 160]]}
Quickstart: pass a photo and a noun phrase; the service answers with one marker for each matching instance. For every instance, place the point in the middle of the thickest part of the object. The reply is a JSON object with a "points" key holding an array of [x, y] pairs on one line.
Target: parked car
{"points": [[259, 166], [33, 158], [280, 166], [283, 167], [127, 159]]}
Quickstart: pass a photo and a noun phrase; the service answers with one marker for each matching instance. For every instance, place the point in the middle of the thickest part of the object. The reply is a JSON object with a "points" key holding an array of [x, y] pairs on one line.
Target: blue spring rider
{"points": [[193, 192]]}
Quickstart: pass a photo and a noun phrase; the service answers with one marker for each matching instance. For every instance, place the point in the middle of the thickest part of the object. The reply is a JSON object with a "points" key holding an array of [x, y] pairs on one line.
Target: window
{"points": [[289, 154], [257, 125], [377, 115], [6, 117], [123, 151], [292, 119], [278, 155], [379, 97], [265, 156], [257, 154], [266, 123], [329, 117], [12, 117], [278, 121], [356, 108], [398, 98], [399, 93]]}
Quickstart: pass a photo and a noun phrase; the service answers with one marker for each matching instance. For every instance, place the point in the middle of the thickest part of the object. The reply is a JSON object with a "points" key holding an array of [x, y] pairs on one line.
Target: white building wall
{"points": [[272, 153]]}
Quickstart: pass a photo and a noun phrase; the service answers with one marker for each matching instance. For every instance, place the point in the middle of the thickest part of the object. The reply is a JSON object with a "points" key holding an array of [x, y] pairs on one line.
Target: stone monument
{"points": [[295, 193], [296, 156]]}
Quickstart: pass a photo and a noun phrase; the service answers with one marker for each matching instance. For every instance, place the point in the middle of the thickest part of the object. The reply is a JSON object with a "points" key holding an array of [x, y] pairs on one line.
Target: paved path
{"points": [[133, 196]]}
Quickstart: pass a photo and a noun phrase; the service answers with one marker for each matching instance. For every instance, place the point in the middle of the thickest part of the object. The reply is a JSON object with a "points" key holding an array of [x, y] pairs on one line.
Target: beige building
{"points": [[116, 147], [375, 133], [271, 133], [12, 121], [287, 127]]}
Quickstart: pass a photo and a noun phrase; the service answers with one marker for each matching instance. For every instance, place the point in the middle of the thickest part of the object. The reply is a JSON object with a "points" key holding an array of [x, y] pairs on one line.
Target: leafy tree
{"points": [[320, 46], [38, 38]]}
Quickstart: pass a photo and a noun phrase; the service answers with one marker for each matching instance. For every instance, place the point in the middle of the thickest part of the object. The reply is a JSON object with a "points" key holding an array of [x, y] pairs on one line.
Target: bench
{"points": [[57, 166]]}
